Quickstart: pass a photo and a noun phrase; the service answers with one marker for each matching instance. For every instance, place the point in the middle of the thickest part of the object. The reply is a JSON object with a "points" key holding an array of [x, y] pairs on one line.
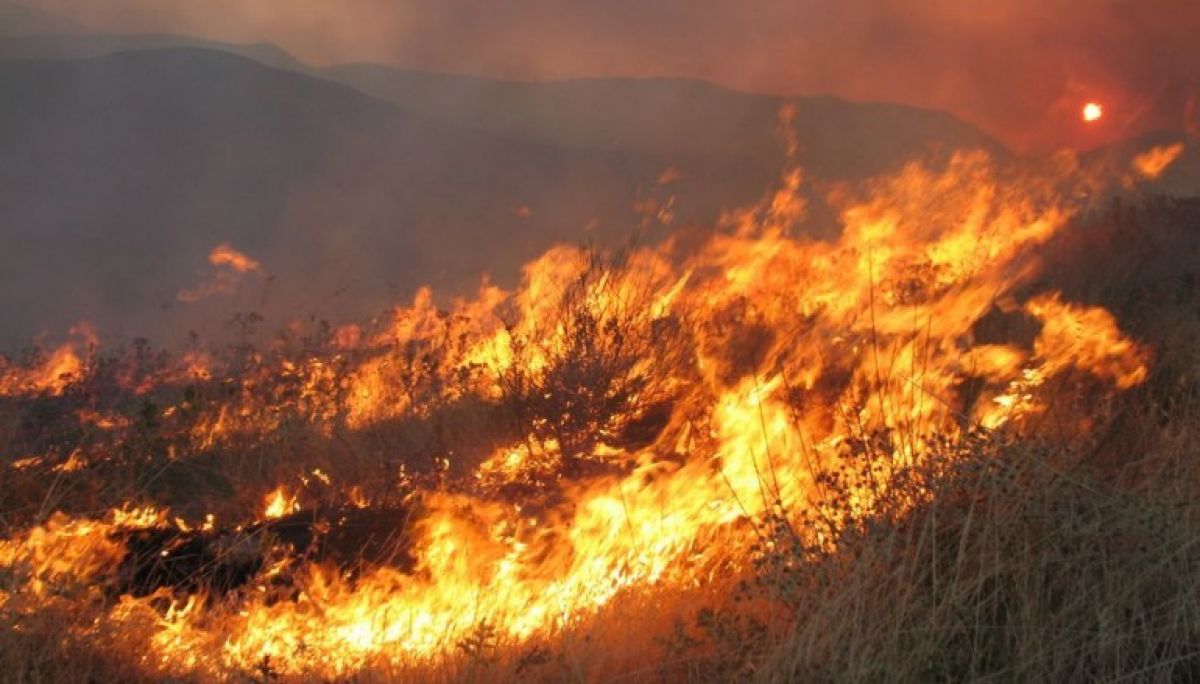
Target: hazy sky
{"points": [[1022, 69]]}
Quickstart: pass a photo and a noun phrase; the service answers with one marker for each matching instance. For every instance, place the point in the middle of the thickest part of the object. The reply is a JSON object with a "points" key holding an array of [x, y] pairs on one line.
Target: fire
{"points": [[1088, 338], [637, 422], [229, 266], [278, 504], [56, 371], [1151, 163], [77, 549], [224, 255], [1092, 111]]}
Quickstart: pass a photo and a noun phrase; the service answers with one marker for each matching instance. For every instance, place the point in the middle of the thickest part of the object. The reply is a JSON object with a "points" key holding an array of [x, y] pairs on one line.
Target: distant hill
{"points": [[354, 185], [50, 45], [118, 174], [674, 121], [680, 120]]}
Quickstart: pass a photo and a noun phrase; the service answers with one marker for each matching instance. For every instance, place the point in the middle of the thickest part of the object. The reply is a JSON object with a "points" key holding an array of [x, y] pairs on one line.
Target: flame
{"points": [[53, 374], [72, 548], [1086, 338], [228, 268], [654, 411], [1151, 163], [1092, 111], [278, 504], [224, 255]]}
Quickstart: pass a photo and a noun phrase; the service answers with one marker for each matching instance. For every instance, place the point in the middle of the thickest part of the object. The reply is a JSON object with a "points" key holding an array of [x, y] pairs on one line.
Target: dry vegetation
{"points": [[1063, 546]]}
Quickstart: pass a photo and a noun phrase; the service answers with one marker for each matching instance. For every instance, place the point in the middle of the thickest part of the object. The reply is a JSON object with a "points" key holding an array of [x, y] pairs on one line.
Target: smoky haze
{"points": [[355, 151], [1020, 69]]}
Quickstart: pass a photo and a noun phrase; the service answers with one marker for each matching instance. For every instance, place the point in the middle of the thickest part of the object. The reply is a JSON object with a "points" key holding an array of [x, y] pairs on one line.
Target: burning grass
{"points": [[929, 449]]}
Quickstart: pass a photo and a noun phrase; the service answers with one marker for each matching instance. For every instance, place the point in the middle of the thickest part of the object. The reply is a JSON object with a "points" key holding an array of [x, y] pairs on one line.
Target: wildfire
{"points": [[655, 412], [1092, 111], [56, 371], [224, 255], [228, 267], [279, 504], [1151, 164]]}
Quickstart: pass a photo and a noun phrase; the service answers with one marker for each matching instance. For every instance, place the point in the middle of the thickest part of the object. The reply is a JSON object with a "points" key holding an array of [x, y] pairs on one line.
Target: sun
{"points": [[1093, 111]]}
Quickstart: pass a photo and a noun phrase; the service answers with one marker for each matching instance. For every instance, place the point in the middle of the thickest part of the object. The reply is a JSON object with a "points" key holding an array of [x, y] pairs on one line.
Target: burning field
{"points": [[953, 442]]}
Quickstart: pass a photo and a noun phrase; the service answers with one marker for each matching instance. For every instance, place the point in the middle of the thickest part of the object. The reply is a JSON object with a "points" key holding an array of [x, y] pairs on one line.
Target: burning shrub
{"points": [[469, 486]]}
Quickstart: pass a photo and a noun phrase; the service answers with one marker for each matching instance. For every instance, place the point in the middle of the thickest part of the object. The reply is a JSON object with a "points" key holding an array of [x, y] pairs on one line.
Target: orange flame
{"points": [[66, 364], [228, 267], [658, 408], [1151, 164], [224, 255], [278, 504]]}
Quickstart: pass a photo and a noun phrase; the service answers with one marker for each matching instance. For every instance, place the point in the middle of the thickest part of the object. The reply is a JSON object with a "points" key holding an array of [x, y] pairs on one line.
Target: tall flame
{"points": [[663, 404]]}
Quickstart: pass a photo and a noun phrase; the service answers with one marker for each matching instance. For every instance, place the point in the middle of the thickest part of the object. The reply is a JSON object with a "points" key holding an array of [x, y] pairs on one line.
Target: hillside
{"points": [[676, 119], [953, 444], [46, 45], [121, 171], [359, 373], [671, 120]]}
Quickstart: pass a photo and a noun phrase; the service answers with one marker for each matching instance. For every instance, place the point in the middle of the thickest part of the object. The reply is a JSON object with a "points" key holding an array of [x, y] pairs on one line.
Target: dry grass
{"points": [[1000, 558], [1021, 567]]}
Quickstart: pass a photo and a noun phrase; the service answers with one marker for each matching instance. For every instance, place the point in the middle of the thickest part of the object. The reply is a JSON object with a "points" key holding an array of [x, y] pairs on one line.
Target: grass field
{"points": [[956, 444]]}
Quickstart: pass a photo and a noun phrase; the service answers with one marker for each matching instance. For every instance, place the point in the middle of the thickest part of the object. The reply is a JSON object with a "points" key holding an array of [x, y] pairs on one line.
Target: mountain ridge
{"points": [[121, 171]]}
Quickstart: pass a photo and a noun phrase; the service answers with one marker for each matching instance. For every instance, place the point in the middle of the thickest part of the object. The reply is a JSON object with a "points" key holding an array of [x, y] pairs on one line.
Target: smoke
{"points": [[1020, 68]]}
